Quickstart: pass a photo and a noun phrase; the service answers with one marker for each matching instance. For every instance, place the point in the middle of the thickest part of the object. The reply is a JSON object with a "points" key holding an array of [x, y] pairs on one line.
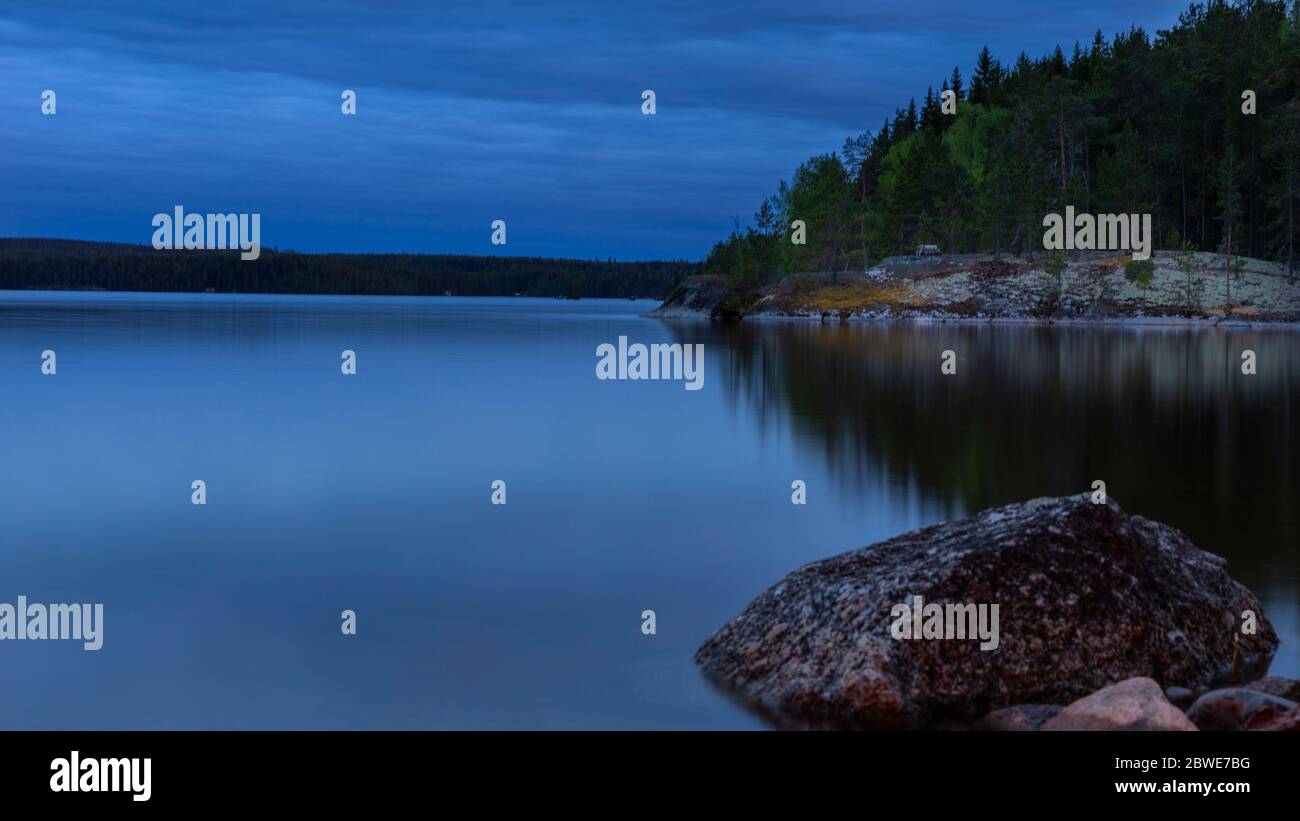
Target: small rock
{"points": [[1021, 717], [1180, 697], [1287, 688], [1132, 704], [1236, 708], [1285, 723]]}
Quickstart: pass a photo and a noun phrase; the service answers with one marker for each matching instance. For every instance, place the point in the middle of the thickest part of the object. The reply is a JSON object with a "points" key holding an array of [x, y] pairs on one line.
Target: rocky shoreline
{"points": [[1093, 288], [1100, 620]]}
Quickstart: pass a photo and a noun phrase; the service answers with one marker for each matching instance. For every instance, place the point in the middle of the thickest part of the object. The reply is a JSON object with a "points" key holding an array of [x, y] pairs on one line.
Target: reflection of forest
{"points": [[1164, 417]]}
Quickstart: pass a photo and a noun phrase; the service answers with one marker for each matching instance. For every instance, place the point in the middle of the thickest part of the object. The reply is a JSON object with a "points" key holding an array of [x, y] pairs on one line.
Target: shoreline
{"points": [[104, 292], [1091, 289], [1196, 323]]}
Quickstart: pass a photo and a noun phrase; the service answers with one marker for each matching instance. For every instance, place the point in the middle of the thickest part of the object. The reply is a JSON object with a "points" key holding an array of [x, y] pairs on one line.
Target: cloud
{"points": [[467, 112]]}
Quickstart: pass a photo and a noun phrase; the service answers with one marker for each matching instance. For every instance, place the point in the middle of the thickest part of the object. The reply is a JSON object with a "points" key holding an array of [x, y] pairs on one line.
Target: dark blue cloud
{"points": [[469, 112]]}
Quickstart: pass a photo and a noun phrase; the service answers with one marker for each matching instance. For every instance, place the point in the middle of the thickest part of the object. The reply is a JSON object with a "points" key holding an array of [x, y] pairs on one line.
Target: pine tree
{"points": [[931, 111], [1121, 127], [1282, 147], [984, 79], [1228, 186], [1124, 176]]}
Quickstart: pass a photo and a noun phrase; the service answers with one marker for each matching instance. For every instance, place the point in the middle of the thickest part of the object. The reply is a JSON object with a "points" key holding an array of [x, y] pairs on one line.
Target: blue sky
{"points": [[470, 112]]}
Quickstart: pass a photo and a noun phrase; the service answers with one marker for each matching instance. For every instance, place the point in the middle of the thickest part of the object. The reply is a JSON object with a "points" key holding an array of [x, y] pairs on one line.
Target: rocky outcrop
{"points": [[1237, 708], [1086, 595], [1133, 704], [694, 296], [1094, 288]]}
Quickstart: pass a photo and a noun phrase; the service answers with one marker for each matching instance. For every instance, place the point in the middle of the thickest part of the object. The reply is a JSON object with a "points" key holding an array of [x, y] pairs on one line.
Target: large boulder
{"points": [[1087, 596], [1133, 704]]}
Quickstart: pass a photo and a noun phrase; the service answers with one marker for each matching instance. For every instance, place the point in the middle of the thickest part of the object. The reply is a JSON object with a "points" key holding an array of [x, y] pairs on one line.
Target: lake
{"points": [[372, 492]]}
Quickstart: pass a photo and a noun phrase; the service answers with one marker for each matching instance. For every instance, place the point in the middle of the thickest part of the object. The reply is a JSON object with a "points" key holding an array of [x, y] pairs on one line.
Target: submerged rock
{"points": [[1133, 704], [1086, 596]]}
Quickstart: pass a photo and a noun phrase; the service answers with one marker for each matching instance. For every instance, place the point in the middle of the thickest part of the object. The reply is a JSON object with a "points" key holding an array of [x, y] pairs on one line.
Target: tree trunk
{"points": [[1227, 274], [1061, 132]]}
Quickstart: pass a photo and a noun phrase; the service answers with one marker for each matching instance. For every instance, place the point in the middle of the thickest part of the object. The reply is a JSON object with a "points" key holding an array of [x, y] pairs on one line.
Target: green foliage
{"points": [[1125, 181], [1056, 265], [1130, 125], [822, 197], [1054, 271], [1139, 272]]}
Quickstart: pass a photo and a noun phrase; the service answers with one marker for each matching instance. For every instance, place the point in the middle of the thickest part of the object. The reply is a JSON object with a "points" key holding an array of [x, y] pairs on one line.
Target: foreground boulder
{"points": [[1132, 704], [1086, 595]]}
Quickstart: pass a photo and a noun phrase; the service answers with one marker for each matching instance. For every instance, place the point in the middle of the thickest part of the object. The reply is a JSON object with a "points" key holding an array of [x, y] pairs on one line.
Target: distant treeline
{"points": [[71, 265], [1199, 127]]}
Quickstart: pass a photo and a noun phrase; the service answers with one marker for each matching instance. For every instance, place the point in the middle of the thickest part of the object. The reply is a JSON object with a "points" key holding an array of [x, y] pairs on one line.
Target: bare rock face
{"points": [[1133, 704], [1087, 596]]}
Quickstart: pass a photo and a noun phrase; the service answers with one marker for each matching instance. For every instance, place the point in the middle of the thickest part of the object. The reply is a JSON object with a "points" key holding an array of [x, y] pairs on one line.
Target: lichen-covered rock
{"points": [[1087, 596], [1133, 704]]}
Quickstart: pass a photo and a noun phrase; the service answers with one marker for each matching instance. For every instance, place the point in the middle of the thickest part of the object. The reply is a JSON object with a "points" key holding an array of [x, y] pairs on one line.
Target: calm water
{"points": [[371, 492]]}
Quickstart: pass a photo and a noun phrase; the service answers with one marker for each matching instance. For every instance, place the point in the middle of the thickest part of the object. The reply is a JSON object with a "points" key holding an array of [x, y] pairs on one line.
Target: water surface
{"points": [[372, 492]]}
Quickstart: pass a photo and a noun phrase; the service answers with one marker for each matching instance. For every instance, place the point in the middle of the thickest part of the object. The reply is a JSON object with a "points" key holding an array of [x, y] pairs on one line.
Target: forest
{"points": [[73, 265], [1131, 125]]}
